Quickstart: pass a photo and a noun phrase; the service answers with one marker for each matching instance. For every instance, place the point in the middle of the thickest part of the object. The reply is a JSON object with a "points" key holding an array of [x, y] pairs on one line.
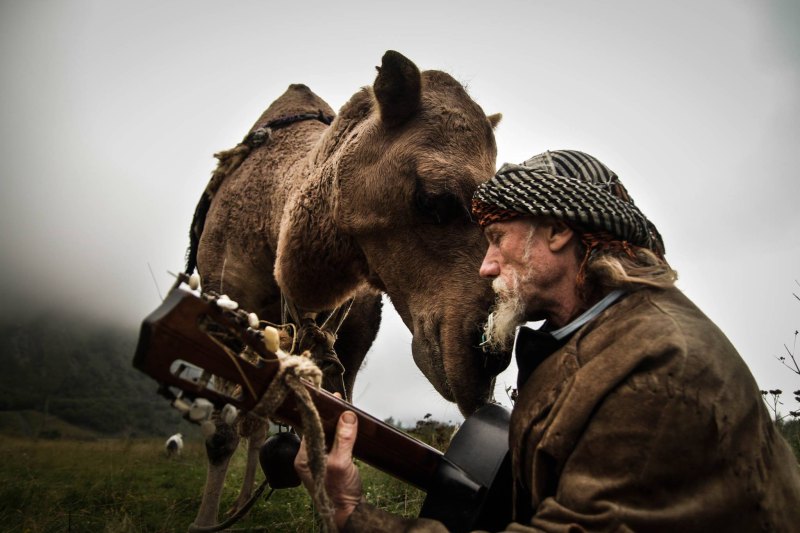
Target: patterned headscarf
{"points": [[571, 186]]}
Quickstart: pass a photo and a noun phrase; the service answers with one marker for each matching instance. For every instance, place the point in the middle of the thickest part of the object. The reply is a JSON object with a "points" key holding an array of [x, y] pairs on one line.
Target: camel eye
{"points": [[440, 208]]}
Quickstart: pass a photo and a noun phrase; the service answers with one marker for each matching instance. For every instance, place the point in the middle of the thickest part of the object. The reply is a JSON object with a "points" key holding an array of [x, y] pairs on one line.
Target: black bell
{"points": [[277, 460]]}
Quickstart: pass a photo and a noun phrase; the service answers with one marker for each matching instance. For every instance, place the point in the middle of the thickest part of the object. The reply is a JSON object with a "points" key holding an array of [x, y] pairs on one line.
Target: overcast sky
{"points": [[111, 111]]}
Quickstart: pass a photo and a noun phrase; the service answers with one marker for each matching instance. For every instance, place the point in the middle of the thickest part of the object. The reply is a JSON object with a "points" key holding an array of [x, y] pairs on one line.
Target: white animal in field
{"points": [[174, 445]]}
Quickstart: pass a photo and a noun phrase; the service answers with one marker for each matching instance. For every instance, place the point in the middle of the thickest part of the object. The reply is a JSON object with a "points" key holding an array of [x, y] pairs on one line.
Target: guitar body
{"points": [[472, 487], [469, 487]]}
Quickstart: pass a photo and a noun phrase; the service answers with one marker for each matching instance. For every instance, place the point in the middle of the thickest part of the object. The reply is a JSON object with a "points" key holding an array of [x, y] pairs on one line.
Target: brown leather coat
{"points": [[647, 419]]}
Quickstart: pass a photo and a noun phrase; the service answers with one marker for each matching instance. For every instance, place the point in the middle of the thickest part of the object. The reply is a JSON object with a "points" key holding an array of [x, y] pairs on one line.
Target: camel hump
{"points": [[298, 99]]}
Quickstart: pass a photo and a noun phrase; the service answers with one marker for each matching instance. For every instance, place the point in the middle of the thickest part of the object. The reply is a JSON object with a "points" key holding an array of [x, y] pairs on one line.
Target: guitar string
{"points": [[233, 357]]}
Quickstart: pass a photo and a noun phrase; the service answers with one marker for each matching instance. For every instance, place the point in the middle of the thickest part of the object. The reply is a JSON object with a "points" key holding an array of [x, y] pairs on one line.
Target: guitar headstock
{"points": [[196, 346]]}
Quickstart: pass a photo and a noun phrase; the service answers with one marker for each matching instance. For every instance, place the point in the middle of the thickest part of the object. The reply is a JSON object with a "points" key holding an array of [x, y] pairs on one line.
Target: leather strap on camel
{"points": [[229, 161]]}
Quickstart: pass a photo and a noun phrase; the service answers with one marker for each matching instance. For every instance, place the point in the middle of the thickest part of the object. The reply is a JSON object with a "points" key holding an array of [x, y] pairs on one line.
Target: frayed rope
{"points": [[293, 369]]}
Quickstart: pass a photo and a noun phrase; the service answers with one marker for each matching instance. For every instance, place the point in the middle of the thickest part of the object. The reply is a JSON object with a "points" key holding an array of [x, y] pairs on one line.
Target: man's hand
{"points": [[342, 479]]}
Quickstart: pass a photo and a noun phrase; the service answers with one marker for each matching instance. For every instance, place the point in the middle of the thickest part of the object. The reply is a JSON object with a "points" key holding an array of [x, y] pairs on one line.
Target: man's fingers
{"points": [[301, 452], [346, 431], [301, 460]]}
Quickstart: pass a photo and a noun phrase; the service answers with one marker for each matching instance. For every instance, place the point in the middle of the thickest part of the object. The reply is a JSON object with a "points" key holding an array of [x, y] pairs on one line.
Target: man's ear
{"points": [[559, 235]]}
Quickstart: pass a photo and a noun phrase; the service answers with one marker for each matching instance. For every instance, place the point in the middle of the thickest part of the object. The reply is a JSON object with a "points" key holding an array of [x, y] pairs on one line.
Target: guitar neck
{"points": [[171, 340], [378, 443]]}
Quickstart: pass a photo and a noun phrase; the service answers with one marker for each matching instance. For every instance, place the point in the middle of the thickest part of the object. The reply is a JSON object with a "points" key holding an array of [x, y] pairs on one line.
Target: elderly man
{"points": [[634, 411]]}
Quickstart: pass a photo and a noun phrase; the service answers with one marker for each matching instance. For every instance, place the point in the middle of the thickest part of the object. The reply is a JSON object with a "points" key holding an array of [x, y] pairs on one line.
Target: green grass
{"points": [[131, 486]]}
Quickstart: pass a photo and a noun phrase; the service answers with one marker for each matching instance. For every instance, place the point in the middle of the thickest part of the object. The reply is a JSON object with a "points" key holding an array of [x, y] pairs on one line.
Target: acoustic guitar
{"points": [[468, 487]]}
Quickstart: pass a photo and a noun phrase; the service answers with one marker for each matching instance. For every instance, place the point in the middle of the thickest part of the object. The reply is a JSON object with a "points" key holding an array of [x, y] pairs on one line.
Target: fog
{"points": [[111, 112]]}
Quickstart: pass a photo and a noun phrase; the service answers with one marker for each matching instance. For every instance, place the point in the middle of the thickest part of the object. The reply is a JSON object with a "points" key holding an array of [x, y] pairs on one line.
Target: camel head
{"points": [[386, 204]]}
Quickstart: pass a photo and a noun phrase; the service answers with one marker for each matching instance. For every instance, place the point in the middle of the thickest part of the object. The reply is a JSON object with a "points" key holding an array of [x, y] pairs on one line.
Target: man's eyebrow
{"points": [[491, 233]]}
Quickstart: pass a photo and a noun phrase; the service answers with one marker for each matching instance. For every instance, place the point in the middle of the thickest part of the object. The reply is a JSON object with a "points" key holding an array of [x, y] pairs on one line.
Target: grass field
{"points": [[131, 486], [118, 485]]}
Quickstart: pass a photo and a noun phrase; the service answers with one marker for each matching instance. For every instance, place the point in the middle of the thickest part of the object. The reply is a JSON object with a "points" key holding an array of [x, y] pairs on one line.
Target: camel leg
{"points": [[255, 431], [219, 449]]}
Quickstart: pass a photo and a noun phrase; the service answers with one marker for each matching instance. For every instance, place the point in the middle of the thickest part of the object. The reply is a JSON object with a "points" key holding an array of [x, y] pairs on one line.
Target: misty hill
{"points": [[79, 371]]}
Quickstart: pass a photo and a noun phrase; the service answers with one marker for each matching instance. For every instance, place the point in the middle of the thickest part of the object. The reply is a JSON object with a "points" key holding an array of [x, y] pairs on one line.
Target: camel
{"points": [[376, 202]]}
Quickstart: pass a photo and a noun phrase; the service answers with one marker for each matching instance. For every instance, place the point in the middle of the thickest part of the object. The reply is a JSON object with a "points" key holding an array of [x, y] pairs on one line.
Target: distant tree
{"points": [[394, 423], [433, 432]]}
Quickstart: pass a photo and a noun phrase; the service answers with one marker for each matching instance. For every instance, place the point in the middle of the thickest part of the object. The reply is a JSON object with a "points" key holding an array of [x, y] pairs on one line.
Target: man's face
{"points": [[517, 260], [527, 276]]}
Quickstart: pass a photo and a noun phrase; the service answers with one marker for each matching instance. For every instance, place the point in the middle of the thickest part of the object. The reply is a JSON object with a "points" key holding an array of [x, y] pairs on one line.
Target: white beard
{"points": [[508, 313]]}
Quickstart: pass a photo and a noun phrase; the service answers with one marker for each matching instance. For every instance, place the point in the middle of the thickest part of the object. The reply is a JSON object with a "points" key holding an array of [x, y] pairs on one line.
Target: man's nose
{"points": [[490, 268]]}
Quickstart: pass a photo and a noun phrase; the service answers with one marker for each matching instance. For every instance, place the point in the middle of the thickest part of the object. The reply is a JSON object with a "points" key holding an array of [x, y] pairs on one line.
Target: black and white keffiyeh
{"points": [[568, 185]]}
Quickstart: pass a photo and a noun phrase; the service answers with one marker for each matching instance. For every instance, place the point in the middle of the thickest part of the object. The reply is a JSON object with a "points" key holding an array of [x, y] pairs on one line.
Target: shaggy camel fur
{"points": [[376, 202]]}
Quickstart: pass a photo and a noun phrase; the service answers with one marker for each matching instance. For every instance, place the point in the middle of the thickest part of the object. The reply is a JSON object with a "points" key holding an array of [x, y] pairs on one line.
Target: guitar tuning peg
{"points": [[229, 414], [201, 410], [271, 339], [207, 428], [252, 320], [194, 281], [226, 303]]}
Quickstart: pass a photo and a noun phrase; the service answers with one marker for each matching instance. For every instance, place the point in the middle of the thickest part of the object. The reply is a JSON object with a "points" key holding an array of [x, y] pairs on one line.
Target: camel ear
{"points": [[494, 120], [397, 89]]}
